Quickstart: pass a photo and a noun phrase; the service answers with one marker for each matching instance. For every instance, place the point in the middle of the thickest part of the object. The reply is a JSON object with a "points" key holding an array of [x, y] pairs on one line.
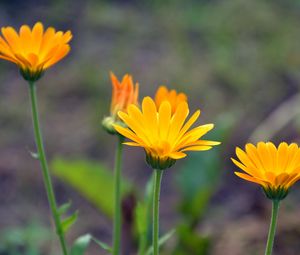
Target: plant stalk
{"points": [[156, 200], [45, 169], [272, 229], [117, 190]]}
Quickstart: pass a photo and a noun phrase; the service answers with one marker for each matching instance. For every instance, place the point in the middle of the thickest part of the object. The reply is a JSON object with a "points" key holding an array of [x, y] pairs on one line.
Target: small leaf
{"points": [[64, 208], [161, 241], [68, 222], [103, 245], [80, 245]]}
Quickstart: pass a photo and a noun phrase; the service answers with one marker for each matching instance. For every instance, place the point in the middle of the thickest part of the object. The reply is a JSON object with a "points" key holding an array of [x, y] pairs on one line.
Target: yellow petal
{"points": [[129, 134], [178, 120], [265, 156], [243, 157], [177, 155], [133, 125], [65, 49], [164, 120], [253, 156], [135, 113], [37, 37], [193, 135], [26, 39], [197, 148], [282, 157], [150, 115], [12, 38], [133, 144], [249, 178]]}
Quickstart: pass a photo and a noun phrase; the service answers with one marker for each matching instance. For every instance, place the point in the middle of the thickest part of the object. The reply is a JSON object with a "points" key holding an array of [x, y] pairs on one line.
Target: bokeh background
{"points": [[238, 61]]}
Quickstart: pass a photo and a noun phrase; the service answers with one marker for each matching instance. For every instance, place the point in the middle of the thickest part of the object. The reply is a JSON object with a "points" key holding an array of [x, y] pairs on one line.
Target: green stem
{"points": [[272, 230], [44, 166], [156, 199], [117, 189], [148, 204]]}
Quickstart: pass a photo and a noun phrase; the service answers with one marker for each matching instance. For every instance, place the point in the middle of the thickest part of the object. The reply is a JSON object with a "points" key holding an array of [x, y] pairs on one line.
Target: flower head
{"points": [[174, 98], [275, 169], [124, 93], [34, 50], [164, 135]]}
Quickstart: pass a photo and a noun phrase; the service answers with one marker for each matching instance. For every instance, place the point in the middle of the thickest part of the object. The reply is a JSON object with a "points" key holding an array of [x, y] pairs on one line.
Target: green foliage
{"points": [[91, 179], [191, 243], [143, 217], [64, 208], [69, 221], [143, 222], [198, 180], [82, 243], [162, 240], [103, 245], [24, 241]]}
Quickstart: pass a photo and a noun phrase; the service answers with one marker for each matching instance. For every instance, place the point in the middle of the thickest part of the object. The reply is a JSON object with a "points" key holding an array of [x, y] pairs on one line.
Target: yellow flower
{"points": [[172, 96], [275, 169], [34, 50], [124, 93], [164, 135]]}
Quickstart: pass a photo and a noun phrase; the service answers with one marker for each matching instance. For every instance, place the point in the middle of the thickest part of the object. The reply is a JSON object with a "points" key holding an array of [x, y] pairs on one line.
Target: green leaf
{"points": [[200, 174], [103, 245], [68, 222], [189, 240], [81, 244], [161, 241], [143, 218], [91, 179], [64, 208]]}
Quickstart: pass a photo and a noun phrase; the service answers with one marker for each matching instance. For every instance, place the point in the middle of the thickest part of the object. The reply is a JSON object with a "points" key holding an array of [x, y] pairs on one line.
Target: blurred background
{"points": [[238, 61]]}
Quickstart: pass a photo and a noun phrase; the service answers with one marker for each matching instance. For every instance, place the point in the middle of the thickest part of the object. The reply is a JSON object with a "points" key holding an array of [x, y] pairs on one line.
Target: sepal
{"points": [[159, 163], [277, 193], [31, 76]]}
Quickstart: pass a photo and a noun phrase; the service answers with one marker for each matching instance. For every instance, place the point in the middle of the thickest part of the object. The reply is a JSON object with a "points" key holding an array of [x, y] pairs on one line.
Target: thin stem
{"points": [[148, 204], [156, 200], [272, 229], [117, 189], [44, 166]]}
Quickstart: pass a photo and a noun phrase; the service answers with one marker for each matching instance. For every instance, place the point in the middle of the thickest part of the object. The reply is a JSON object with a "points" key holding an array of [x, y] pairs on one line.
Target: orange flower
{"points": [[174, 98], [276, 169], [124, 93], [34, 50]]}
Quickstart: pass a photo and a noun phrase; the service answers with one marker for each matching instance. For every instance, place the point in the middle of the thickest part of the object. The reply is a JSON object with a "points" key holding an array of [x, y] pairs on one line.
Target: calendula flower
{"points": [[34, 50], [164, 135], [124, 93], [275, 169], [172, 96]]}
